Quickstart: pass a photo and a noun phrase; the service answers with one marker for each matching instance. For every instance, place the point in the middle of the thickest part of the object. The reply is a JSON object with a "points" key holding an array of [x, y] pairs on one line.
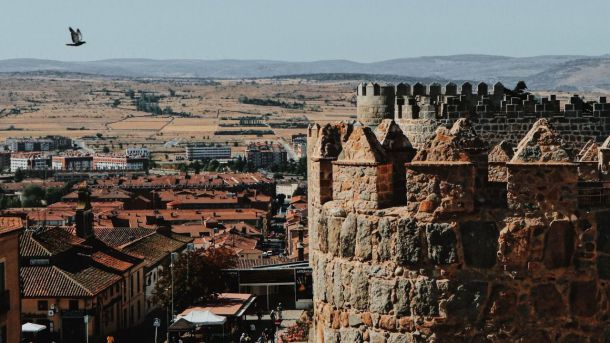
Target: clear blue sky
{"points": [[302, 30]]}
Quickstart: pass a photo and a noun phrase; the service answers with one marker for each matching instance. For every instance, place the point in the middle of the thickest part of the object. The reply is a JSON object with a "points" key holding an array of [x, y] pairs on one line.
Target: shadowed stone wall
{"points": [[500, 246]]}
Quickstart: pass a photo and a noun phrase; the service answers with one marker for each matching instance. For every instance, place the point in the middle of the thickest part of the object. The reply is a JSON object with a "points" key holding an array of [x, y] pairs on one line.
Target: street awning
{"points": [[181, 325], [31, 327], [205, 317]]}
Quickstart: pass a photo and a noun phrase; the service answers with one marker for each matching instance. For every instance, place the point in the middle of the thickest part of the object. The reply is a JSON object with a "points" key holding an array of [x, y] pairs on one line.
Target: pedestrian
{"points": [[110, 339], [242, 339]]}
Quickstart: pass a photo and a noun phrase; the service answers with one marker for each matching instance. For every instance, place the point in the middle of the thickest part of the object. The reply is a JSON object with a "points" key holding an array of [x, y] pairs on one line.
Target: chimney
{"points": [[84, 215], [163, 226]]}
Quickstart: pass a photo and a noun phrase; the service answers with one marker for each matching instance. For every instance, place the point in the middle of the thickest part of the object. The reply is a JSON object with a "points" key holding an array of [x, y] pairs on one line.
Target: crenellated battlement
{"points": [[426, 244], [349, 148], [434, 101], [496, 112]]}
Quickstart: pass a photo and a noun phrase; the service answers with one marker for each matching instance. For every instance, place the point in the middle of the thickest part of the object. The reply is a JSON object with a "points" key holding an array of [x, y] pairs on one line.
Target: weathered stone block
{"points": [[355, 320], [322, 234], [467, 300], [603, 267], [603, 231], [334, 235], [385, 241], [331, 336], [381, 295], [364, 247], [480, 243], [399, 338], [319, 284], [408, 242], [584, 298], [425, 298], [348, 236], [403, 298], [547, 301], [377, 337], [337, 284], [360, 288], [559, 245], [502, 303], [441, 243], [351, 335]]}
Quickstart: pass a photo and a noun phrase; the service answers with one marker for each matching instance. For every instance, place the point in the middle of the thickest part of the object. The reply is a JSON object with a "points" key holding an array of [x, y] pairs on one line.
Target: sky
{"points": [[303, 30]]}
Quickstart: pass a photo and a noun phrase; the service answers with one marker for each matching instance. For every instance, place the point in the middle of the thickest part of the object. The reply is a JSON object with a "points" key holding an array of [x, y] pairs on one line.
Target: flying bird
{"points": [[77, 37]]}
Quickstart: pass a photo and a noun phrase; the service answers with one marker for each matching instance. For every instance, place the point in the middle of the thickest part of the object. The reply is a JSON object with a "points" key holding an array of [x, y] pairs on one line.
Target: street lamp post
{"points": [[171, 266]]}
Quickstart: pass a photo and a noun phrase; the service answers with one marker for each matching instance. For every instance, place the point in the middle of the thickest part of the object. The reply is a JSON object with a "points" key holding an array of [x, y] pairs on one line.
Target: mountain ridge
{"points": [[552, 72]]}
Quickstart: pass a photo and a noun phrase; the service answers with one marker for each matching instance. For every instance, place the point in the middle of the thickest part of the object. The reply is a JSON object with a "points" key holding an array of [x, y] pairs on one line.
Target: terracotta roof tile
{"points": [[10, 224], [52, 281], [110, 261], [118, 236], [154, 247]]}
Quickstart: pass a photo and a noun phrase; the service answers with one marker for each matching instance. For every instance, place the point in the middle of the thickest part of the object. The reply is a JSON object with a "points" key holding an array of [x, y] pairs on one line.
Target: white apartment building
{"points": [[29, 161], [200, 152]]}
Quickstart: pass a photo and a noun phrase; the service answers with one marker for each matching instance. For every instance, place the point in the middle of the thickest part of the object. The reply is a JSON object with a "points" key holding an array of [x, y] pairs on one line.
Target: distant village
{"points": [[87, 238]]}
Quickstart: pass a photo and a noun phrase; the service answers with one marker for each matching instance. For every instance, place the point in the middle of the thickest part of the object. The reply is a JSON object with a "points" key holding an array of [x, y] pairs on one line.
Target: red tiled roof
{"points": [[203, 180], [51, 281], [111, 262], [47, 242], [102, 193], [154, 247], [10, 224], [119, 236]]}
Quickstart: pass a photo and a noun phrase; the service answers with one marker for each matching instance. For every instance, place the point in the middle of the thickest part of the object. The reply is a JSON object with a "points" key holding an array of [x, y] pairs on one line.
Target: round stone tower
{"points": [[375, 103], [523, 256]]}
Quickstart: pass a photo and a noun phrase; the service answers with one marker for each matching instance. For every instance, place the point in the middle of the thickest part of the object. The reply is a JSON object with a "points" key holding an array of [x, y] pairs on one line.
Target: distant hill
{"points": [[570, 72]]}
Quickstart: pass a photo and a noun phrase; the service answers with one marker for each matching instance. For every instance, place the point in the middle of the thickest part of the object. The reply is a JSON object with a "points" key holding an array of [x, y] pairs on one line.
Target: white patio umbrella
{"points": [[31, 327], [204, 318], [199, 317]]}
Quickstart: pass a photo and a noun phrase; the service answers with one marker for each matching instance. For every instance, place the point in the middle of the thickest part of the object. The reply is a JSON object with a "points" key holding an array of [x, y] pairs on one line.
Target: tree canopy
{"points": [[197, 278]]}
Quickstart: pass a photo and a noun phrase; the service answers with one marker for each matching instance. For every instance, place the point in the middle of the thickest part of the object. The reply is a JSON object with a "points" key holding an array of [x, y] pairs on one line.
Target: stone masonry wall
{"points": [[448, 266], [576, 131]]}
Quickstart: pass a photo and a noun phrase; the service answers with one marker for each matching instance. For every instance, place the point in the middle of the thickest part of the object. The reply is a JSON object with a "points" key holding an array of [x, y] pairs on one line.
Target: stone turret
{"points": [[541, 175], [442, 176], [588, 162], [362, 174], [375, 103], [398, 151], [499, 155]]}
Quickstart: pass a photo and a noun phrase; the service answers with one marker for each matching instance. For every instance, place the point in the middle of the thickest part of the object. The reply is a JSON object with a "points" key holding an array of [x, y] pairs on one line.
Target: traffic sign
{"points": [[157, 322]]}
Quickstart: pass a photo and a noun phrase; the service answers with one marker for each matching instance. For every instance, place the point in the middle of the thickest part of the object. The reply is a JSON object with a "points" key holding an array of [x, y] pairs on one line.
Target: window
{"points": [[73, 305], [138, 281], [43, 305]]}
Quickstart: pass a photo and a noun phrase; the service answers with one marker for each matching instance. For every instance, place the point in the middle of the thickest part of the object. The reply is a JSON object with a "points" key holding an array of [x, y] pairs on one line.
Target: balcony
{"points": [[5, 301]]}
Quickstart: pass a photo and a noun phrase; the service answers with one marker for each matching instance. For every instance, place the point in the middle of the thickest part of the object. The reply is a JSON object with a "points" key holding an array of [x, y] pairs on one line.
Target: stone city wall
{"points": [[450, 261]]}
